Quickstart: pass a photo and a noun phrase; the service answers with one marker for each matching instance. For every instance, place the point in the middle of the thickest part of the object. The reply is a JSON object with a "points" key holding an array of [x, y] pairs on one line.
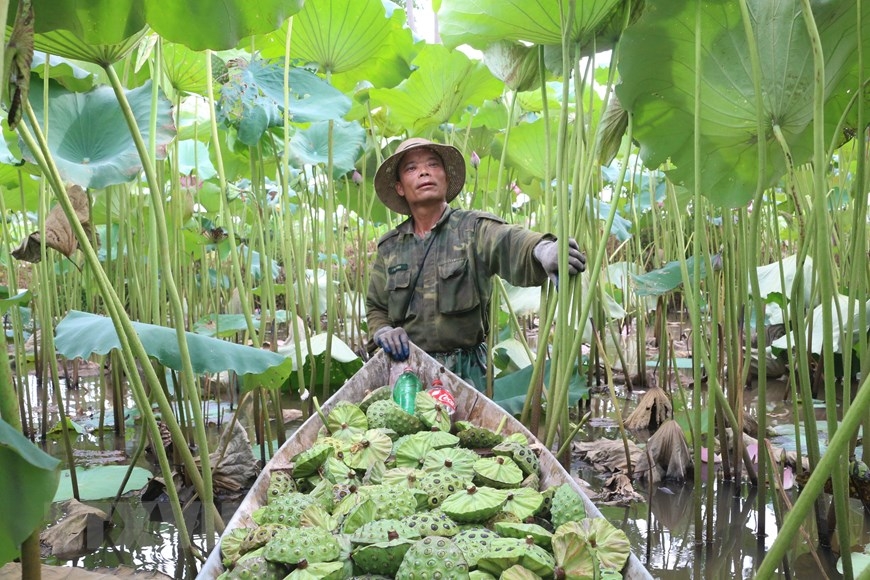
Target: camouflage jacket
{"points": [[448, 307]]}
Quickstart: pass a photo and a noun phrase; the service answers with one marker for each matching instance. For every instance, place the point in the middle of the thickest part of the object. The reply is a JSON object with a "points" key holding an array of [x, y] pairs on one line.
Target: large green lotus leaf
{"points": [[193, 158], [311, 145], [81, 334], [514, 63], [94, 21], [70, 75], [443, 85], [185, 68], [67, 44], [527, 148], [88, 136], [339, 35], [202, 24], [657, 67], [479, 23], [198, 24], [253, 98], [383, 51], [509, 391], [344, 363], [663, 280], [101, 482], [24, 467]]}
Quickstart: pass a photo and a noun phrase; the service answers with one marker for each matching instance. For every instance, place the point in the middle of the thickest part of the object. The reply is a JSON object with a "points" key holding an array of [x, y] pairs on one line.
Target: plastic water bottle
{"points": [[405, 390], [442, 395]]}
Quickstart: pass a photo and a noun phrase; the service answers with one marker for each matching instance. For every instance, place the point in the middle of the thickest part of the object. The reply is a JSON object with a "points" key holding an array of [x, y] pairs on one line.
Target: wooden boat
{"points": [[381, 370]]}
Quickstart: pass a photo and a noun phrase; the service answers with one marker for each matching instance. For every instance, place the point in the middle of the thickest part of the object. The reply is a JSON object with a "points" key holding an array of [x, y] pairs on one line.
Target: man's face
{"points": [[422, 178]]}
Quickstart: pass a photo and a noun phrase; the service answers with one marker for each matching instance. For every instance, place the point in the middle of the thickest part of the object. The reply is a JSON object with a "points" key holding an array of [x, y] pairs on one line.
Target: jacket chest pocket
{"points": [[398, 285], [457, 290]]}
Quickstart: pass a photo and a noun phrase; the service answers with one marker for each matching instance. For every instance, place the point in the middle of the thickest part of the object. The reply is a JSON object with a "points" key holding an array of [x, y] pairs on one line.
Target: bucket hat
{"points": [[387, 174]]}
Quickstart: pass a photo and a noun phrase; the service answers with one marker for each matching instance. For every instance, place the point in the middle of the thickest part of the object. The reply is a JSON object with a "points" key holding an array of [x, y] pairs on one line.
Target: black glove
{"points": [[394, 341], [547, 253]]}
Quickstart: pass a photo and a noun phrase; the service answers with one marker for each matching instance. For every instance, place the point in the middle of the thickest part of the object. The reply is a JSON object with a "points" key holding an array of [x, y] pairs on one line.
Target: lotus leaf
{"points": [[456, 459], [498, 471], [88, 136], [374, 447], [539, 535], [431, 413], [474, 504], [382, 557], [319, 571], [524, 502], [507, 552], [307, 462], [346, 422], [608, 543]]}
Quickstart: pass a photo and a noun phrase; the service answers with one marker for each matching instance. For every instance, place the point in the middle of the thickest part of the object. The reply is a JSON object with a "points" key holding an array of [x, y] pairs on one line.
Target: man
{"points": [[431, 280]]}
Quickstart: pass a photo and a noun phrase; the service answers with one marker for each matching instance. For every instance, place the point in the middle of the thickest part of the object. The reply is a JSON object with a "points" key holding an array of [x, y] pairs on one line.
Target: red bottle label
{"points": [[444, 397]]}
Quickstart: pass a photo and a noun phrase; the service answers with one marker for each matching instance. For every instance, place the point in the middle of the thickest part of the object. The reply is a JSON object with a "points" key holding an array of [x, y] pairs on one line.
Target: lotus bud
{"points": [[357, 178], [475, 159]]}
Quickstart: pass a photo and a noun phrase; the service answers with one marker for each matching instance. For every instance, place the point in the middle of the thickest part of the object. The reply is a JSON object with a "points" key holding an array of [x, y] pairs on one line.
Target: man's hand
{"points": [[547, 253], [394, 341]]}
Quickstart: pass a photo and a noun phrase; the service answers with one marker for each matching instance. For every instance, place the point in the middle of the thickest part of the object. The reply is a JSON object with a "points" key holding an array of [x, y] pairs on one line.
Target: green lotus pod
{"points": [[433, 557], [507, 552], [433, 523], [309, 461], [474, 543], [260, 536], [312, 545], [474, 504], [517, 572], [478, 438], [533, 481], [337, 471], [439, 486], [608, 544], [478, 575], [371, 448], [432, 413], [315, 516], [567, 506], [397, 419], [381, 502], [379, 394], [280, 483], [499, 472], [376, 414], [523, 456], [318, 571], [541, 536], [337, 444], [231, 545], [524, 502], [285, 510], [382, 557], [346, 422], [255, 566], [384, 531], [455, 459]]}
